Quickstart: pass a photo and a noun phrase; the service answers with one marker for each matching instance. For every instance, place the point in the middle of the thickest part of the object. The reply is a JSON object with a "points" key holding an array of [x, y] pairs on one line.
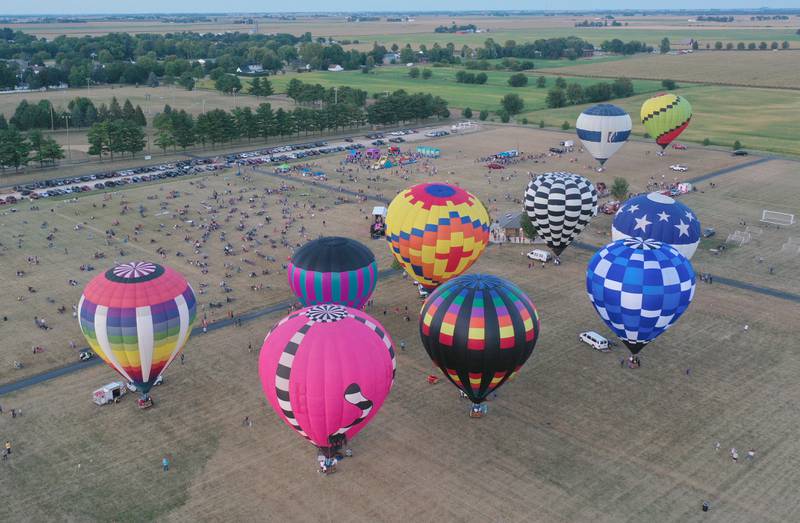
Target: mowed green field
{"points": [[593, 35], [443, 84], [573, 438], [763, 119]]}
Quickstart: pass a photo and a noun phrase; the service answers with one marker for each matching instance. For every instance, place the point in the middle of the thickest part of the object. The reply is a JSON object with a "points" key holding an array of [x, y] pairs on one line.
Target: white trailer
{"points": [[109, 393]]}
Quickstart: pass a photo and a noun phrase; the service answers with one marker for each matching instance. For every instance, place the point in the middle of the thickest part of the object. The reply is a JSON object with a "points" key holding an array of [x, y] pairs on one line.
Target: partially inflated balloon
{"points": [[603, 129], [665, 117], [137, 317], [479, 330], [560, 205], [658, 217], [639, 288], [333, 270], [436, 231], [326, 370]]}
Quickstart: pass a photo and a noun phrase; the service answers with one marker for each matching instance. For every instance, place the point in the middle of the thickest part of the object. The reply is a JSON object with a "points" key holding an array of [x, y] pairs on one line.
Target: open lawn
{"points": [[573, 438], [762, 119], [443, 84], [748, 68]]}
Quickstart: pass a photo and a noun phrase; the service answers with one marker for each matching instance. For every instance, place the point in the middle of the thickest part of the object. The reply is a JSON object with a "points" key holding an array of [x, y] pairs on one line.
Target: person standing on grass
{"points": [[8, 448], [165, 464]]}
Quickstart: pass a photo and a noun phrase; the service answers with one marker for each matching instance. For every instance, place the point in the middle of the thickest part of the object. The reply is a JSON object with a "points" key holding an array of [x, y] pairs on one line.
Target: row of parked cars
{"points": [[285, 153]]}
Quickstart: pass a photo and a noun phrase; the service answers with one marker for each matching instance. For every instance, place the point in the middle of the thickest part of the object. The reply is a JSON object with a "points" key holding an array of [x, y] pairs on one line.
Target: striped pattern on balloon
{"points": [[603, 129]]}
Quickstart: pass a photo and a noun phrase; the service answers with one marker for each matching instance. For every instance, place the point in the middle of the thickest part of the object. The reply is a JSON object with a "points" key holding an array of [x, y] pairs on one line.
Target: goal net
{"points": [[792, 246], [777, 218], [738, 237]]}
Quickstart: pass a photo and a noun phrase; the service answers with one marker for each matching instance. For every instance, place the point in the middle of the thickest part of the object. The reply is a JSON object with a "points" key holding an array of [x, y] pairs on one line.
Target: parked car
{"points": [[594, 340], [679, 146], [739, 152], [679, 168], [708, 232], [539, 255]]}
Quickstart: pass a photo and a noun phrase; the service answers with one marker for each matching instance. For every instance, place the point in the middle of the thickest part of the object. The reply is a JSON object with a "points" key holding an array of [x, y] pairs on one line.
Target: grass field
{"points": [[574, 438], [443, 84], [762, 119], [748, 68]]}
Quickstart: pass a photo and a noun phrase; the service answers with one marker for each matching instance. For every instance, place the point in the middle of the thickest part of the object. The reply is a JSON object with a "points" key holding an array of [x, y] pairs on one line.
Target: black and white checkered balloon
{"points": [[560, 204]]}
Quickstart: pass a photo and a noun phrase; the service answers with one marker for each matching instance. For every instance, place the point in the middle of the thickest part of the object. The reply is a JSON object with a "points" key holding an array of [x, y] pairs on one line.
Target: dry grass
{"points": [[574, 438], [748, 68]]}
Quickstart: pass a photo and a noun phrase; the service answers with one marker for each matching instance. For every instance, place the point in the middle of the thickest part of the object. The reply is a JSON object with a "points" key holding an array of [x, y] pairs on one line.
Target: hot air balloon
{"points": [[560, 205], [333, 270], [665, 116], [326, 370], [137, 317], [603, 129], [436, 231], [658, 217], [639, 288], [479, 330]]}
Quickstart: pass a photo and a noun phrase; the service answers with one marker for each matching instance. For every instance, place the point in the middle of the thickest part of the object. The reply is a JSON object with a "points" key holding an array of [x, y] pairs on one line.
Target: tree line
{"points": [[563, 93], [453, 28], [619, 47], [80, 111], [17, 149]]}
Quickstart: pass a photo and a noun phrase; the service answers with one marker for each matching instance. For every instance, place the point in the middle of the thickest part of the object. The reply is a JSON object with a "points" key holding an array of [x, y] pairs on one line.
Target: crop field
{"points": [[745, 68], [761, 119], [575, 433], [443, 84]]}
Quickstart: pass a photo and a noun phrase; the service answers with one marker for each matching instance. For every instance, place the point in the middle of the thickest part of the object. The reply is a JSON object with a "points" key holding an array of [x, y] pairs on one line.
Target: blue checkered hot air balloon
{"points": [[639, 288], [658, 217], [603, 129]]}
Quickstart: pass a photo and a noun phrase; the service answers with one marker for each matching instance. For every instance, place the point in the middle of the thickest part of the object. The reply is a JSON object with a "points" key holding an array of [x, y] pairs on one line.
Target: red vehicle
{"points": [[496, 166], [11, 199], [679, 146]]}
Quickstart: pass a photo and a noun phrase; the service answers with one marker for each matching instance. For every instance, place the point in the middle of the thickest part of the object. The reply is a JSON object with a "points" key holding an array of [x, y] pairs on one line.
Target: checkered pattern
{"points": [[639, 288], [560, 205], [479, 329]]}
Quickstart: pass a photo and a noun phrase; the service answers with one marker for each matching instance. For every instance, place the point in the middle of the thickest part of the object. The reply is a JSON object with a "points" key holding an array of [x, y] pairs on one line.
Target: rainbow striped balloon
{"points": [[333, 270], [137, 317]]}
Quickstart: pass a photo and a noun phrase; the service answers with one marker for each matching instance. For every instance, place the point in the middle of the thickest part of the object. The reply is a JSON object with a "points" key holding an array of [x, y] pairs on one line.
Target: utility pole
{"points": [[335, 95], [52, 125], [204, 106], [147, 99], [69, 149], [234, 98]]}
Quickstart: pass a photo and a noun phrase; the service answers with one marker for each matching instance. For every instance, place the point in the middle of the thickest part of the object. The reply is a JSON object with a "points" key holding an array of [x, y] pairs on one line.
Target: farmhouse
{"points": [[250, 69], [508, 229], [335, 68], [391, 58]]}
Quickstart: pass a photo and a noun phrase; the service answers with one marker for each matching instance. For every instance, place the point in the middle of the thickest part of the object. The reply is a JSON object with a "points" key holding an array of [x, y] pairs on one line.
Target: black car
{"points": [[348, 140], [739, 152]]}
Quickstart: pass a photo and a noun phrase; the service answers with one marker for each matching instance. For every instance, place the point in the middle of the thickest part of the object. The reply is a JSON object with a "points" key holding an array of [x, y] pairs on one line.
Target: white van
{"points": [[540, 255], [596, 341]]}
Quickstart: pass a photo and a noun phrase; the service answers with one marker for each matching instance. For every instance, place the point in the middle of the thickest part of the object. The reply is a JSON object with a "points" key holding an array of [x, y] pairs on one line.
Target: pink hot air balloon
{"points": [[326, 370]]}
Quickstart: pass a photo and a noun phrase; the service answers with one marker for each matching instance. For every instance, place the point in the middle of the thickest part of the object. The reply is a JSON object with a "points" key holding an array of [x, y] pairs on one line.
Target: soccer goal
{"points": [[777, 218], [739, 238], [790, 248], [755, 231]]}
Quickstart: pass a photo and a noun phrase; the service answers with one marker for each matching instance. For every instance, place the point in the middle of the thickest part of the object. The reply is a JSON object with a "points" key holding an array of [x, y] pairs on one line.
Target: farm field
{"points": [[477, 97], [761, 119], [575, 432], [745, 68]]}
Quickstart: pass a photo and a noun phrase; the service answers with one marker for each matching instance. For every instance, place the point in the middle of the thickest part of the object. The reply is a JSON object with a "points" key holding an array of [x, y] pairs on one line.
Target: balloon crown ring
{"points": [[326, 313]]}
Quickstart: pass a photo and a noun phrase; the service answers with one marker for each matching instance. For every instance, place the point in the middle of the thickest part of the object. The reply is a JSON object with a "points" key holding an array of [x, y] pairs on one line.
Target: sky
{"points": [[78, 7]]}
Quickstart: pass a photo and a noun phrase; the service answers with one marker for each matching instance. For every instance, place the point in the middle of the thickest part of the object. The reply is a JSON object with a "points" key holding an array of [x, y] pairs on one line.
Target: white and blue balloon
{"points": [[603, 129], [656, 216]]}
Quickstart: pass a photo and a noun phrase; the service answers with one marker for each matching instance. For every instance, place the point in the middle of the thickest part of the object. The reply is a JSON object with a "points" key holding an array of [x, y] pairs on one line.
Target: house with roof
{"points": [[508, 229]]}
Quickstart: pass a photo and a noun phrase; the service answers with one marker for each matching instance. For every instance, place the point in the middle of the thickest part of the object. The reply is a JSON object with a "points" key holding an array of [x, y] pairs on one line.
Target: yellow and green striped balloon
{"points": [[665, 116]]}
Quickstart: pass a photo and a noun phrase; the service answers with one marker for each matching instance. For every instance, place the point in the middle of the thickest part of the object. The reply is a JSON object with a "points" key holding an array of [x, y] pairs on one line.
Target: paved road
{"points": [[728, 170]]}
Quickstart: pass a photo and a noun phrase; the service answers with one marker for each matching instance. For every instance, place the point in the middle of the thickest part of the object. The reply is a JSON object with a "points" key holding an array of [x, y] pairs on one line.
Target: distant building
{"points": [[508, 229], [335, 68], [250, 69], [391, 58], [588, 53]]}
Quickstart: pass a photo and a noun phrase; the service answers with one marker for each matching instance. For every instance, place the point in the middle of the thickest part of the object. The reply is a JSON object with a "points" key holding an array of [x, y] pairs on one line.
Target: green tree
{"points": [[255, 87], [128, 112], [565, 125], [164, 139], [512, 103], [665, 46], [528, 229], [413, 72], [740, 46], [541, 124], [265, 120], [556, 98], [669, 85], [427, 74], [115, 111], [139, 118], [574, 93], [228, 83], [483, 115], [14, 148], [481, 78], [186, 81], [620, 188], [717, 46], [518, 80], [706, 142], [49, 151], [729, 46], [561, 83], [152, 80], [762, 46], [504, 116], [785, 44], [98, 139], [467, 112], [541, 82], [737, 145], [622, 88]]}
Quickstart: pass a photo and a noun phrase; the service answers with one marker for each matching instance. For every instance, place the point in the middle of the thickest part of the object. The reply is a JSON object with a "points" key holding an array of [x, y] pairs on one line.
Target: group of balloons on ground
{"points": [[327, 368]]}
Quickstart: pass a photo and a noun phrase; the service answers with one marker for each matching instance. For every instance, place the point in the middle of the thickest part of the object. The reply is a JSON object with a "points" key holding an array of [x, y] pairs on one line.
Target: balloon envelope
{"points": [[639, 288], [665, 116], [436, 231], [326, 370], [656, 216], [603, 129], [137, 317], [333, 270], [560, 205], [479, 330]]}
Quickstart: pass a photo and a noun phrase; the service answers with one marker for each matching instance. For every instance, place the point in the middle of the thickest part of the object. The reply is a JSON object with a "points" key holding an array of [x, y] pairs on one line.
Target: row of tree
{"points": [[619, 47], [80, 111], [17, 149], [752, 46], [464, 77], [564, 94], [305, 93], [115, 136]]}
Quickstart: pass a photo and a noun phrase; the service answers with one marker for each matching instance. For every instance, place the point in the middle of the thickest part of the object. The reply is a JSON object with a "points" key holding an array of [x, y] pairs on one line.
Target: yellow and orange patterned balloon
{"points": [[436, 231]]}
